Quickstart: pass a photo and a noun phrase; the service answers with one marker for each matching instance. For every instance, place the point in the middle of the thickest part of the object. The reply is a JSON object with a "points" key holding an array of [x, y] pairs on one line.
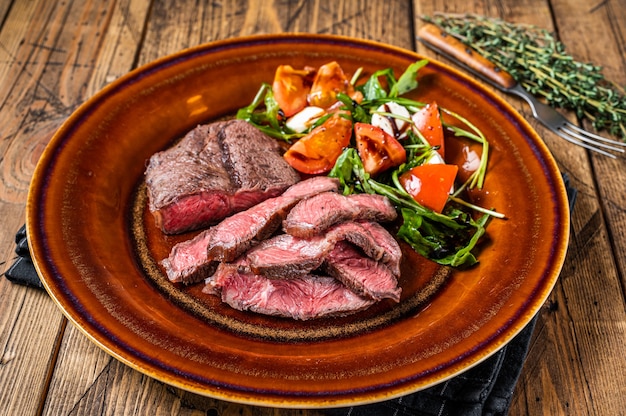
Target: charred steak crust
{"points": [[214, 171], [254, 159]]}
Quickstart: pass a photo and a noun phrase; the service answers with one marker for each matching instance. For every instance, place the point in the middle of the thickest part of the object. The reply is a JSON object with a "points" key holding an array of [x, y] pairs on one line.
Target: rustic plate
{"points": [[96, 251]]}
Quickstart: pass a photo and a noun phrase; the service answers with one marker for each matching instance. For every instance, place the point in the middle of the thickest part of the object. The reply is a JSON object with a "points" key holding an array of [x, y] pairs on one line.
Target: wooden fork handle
{"points": [[455, 49]]}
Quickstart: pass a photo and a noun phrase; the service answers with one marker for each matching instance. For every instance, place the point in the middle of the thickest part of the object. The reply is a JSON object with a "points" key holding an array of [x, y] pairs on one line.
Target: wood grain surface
{"points": [[54, 55]]}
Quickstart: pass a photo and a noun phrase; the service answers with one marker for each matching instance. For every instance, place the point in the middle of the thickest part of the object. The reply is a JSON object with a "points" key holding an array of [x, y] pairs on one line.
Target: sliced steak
{"points": [[315, 215], [392, 255], [188, 261], [237, 233], [285, 256], [304, 297], [194, 260], [214, 171], [360, 273]]}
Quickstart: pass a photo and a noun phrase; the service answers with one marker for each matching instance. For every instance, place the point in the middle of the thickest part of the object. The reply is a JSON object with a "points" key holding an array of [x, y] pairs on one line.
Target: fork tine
{"points": [[591, 138], [578, 142], [595, 136]]}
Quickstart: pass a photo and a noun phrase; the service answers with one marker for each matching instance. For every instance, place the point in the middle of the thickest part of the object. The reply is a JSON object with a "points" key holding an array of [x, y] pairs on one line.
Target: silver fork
{"points": [[449, 46], [558, 124]]}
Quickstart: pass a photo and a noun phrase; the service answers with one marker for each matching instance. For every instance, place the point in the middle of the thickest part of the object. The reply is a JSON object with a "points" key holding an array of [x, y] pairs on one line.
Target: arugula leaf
{"points": [[266, 118], [441, 244], [446, 239], [408, 80], [359, 114], [373, 89]]}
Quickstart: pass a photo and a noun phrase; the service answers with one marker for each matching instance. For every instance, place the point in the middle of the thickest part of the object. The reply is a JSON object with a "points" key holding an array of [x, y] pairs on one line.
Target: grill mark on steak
{"points": [[360, 273], [214, 171], [254, 159], [304, 297], [194, 260], [285, 255], [315, 215]]}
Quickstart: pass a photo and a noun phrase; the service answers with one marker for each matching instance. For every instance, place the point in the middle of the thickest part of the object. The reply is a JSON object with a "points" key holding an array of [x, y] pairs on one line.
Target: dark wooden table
{"points": [[56, 54]]}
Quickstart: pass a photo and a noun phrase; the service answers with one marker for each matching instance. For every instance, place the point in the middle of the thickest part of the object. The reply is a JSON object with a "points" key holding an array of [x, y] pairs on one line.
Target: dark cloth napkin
{"points": [[485, 389]]}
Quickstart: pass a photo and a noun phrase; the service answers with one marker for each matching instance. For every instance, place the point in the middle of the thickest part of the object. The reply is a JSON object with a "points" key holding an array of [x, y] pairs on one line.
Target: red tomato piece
{"points": [[291, 88], [430, 185], [318, 151], [378, 150], [330, 80], [428, 122]]}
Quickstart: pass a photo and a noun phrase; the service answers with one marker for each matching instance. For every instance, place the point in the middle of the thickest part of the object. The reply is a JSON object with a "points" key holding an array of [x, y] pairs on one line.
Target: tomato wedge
{"points": [[318, 151], [428, 122], [330, 80], [291, 88], [430, 185], [378, 149]]}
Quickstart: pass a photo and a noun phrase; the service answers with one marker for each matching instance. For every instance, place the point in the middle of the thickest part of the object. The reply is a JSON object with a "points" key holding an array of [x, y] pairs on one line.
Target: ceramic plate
{"points": [[97, 251]]}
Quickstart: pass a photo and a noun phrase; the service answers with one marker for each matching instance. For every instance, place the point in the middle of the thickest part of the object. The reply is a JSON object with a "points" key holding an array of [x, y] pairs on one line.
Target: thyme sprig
{"points": [[541, 65]]}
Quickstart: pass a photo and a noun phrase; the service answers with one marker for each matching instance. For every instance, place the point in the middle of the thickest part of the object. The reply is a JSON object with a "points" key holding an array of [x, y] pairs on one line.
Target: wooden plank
{"points": [[51, 53], [29, 321], [564, 354], [591, 303]]}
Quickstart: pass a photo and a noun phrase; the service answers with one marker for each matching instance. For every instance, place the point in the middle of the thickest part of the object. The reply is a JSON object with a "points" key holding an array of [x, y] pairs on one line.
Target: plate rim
{"points": [[38, 181]]}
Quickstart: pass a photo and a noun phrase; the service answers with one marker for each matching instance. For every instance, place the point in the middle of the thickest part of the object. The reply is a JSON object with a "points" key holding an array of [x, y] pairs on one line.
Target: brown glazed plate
{"points": [[97, 250]]}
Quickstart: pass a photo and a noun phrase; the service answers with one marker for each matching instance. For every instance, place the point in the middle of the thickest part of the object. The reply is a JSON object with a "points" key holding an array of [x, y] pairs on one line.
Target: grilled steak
{"points": [[214, 171], [392, 254], [303, 297], [315, 215], [360, 273], [191, 261], [233, 236], [188, 261], [285, 256]]}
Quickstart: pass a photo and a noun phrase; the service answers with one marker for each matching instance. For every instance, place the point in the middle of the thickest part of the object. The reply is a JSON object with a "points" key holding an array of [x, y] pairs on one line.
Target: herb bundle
{"points": [[540, 64]]}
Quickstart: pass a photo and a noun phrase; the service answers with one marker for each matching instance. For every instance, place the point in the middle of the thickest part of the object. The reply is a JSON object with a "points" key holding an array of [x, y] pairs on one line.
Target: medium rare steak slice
{"points": [[315, 215], [194, 260], [237, 233], [214, 171], [360, 273], [304, 297], [392, 255], [285, 256], [188, 261]]}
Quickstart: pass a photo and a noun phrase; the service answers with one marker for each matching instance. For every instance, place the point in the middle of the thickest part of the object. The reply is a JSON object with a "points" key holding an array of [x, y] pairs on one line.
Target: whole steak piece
{"points": [[214, 171]]}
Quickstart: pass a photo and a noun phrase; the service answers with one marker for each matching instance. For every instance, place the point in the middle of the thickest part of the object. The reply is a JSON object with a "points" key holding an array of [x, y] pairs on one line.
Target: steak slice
{"points": [[194, 260], [304, 297], [360, 273], [285, 256], [392, 255], [317, 214], [188, 261], [237, 233], [214, 171]]}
